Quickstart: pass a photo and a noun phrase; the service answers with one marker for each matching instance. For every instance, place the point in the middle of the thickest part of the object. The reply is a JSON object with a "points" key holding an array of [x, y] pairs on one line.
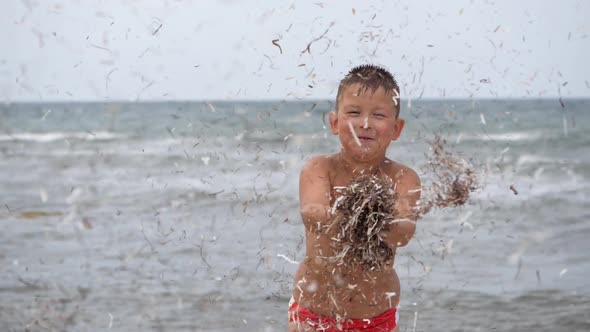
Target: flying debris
{"points": [[513, 189], [275, 42]]}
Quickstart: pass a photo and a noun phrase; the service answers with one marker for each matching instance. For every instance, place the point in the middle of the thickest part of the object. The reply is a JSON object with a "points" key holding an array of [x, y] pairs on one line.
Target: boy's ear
{"points": [[397, 131], [334, 122]]}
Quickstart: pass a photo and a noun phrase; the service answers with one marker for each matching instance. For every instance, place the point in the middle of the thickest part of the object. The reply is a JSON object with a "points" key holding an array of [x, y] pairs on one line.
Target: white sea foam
{"points": [[56, 136], [514, 136]]}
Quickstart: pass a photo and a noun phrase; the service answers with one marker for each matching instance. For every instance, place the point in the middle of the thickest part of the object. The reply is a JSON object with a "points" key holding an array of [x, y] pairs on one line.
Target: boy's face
{"points": [[371, 117]]}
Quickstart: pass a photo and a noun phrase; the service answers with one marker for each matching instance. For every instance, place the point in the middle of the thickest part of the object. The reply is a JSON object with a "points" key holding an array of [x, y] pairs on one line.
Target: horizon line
{"points": [[271, 100]]}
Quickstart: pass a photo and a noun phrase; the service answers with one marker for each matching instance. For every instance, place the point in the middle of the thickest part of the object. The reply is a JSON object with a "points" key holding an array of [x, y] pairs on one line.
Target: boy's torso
{"points": [[343, 291]]}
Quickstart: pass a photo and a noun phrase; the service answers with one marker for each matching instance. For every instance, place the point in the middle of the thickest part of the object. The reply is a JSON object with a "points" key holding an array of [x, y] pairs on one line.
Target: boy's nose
{"points": [[365, 122]]}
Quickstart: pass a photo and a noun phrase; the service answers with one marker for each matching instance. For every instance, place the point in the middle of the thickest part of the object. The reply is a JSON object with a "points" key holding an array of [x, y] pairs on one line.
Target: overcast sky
{"points": [[208, 50]]}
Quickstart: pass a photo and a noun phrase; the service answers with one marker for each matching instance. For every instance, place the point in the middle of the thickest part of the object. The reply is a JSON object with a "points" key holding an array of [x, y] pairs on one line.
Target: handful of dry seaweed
{"points": [[452, 179], [367, 206], [364, 209]]}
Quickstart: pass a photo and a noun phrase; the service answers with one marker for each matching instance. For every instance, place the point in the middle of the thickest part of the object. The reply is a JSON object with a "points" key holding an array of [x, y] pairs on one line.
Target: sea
{"points": [[183, 216]]}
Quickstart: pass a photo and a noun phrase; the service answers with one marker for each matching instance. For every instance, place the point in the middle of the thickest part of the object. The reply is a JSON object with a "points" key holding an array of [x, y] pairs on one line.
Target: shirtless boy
{"points": [[330, 297]]}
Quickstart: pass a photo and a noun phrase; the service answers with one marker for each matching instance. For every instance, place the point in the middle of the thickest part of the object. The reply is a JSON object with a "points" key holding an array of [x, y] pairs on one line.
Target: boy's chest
{"points": [[339, 181]]}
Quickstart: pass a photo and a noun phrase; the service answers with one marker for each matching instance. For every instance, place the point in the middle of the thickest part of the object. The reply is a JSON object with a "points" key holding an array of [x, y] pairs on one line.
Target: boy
{"points": [[331, 297]]}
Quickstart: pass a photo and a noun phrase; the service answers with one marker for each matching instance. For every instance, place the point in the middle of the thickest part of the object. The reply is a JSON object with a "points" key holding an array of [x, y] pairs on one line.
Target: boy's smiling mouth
{"points": [[359, 139]]}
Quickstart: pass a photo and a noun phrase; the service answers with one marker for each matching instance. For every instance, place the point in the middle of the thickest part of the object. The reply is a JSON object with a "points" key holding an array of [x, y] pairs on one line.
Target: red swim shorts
{"points": [[385, 322]]}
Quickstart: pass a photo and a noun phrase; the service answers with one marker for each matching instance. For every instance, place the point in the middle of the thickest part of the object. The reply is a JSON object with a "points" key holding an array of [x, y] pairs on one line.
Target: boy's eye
{"points": [[353, 112], [379, 115]]}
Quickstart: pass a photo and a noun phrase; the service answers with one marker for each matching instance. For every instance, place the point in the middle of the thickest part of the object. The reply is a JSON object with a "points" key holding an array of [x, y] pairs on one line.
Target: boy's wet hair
{"points": [[370, 77]]}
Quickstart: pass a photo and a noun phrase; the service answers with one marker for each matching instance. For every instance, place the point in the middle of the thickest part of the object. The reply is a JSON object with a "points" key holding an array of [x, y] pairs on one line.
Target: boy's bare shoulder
{"points": [[318, 165], [402, 175]]}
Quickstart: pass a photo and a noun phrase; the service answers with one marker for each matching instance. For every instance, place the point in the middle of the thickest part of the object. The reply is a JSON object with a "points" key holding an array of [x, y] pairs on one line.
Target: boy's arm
{"points": [[314, 192], [408, 191]]}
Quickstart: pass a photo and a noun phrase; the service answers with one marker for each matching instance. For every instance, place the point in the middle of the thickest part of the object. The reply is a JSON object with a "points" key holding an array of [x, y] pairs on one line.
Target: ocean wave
{"points": [[516, 136], [533, 160], [58, 136], [566, 186], [527, 159]]}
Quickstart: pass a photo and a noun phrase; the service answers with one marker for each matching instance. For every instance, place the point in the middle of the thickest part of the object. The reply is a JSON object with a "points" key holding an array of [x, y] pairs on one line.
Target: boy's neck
{"points": [[355, 167]]}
